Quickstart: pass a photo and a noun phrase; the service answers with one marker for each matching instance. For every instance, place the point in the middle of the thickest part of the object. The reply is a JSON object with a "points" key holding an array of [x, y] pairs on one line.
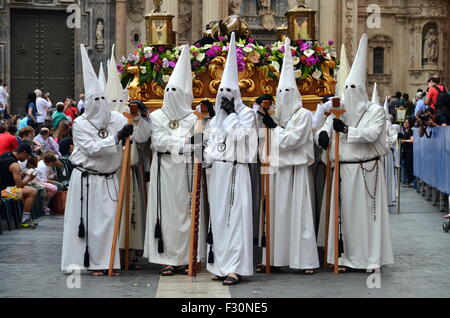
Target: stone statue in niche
{"points": [[268, 19], [235, 7], [430, 48], [99, 36]]}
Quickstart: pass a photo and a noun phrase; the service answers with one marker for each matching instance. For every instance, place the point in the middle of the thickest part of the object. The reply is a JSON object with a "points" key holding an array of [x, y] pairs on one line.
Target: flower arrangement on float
{"points": [[157, 63]]}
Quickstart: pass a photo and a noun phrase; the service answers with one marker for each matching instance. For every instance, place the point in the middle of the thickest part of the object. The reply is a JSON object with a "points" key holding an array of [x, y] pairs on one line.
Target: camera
{"points": [[425, 119]]}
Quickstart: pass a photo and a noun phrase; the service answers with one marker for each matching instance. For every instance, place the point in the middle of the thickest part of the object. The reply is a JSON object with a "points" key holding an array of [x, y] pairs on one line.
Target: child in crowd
{"points": [[46, 176]]}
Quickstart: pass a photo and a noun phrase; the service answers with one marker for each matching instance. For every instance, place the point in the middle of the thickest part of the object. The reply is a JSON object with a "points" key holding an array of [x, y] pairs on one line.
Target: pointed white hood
{"points": [[375, 96], [178, 95], [102, 77], [114, 90], [355, 93], [344, 69], [95, 110], [289, 99], [229, 85], [386, 106]]}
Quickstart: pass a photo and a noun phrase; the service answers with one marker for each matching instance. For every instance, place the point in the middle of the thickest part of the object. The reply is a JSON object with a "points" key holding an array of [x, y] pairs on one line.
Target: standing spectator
{"points": [[408, 105], [420, 104], [434, 89], [394, 103], [59, 115], [23, 122], [3, 99], [69, 109], [31, 110], [8, 140], [25, 133], [47, 142], [407, 141], [81, 104], [45, 174], [43, 104], [10, 175]]}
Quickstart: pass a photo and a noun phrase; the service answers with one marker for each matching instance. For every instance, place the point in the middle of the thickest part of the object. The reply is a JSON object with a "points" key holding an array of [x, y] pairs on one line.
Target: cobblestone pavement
{"points": [[30, 266]]}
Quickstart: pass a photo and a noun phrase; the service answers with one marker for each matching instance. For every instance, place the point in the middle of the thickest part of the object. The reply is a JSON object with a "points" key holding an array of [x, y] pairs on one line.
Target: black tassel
{"points": [[209, 238], [86, 258], [210, 256], [263, 240], [341, 246], [157, 230], [81, 230], [160, 246]]}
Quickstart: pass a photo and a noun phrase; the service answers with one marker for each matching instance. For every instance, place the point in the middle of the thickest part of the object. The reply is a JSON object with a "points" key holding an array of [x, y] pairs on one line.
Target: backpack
{"points": [[442, 103]]}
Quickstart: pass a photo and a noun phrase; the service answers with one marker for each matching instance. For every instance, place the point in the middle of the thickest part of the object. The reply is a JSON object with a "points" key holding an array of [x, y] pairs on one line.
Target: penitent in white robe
{"points": [[231, 216], [104, 156], [367, 241], [389, 169], [293, 238], [176, 182]]}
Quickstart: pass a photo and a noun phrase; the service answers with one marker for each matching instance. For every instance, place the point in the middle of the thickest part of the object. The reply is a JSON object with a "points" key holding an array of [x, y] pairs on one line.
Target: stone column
{"points": [[327, 21], [121, 29], [213, 10]]}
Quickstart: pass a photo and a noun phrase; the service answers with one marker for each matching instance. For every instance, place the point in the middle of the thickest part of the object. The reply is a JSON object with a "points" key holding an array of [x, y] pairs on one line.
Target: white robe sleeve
{"points": [[293, 138], [163, 142], [93, 147], [142, 131], [327, 127], [392, 136], [239, 126], [371, 133]]}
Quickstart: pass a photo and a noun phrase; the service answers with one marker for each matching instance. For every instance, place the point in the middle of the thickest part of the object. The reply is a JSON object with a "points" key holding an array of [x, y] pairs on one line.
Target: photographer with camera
{"points": [[425, 120]]}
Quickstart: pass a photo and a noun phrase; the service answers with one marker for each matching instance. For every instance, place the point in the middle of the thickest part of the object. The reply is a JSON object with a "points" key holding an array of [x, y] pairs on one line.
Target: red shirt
{"points": [[71, 112], [433, 95], [8, 143]]}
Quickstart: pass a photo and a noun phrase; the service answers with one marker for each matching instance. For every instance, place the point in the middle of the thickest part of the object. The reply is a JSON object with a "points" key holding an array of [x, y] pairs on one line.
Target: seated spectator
{"points": [[25, 133], [65, 140], [8, 140], [59, 115], [47, 142], [45, 176], [10, 176]]}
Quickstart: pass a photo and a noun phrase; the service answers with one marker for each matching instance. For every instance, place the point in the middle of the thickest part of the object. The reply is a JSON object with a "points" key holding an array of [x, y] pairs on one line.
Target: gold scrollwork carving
{"points": [[157, 89], [198, 88]]}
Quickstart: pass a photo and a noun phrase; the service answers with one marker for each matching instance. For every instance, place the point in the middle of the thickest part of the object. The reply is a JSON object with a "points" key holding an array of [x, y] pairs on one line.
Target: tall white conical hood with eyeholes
{"points": [[344, 69], [178, 94], [229, 85], [95, 111], [114, 90], [355, 93], [375, 96], [102, 77], [289, 99]]}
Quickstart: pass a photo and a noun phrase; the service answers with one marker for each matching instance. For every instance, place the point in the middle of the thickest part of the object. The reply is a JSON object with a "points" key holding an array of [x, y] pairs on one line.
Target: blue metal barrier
{"points": [[432, 158]]}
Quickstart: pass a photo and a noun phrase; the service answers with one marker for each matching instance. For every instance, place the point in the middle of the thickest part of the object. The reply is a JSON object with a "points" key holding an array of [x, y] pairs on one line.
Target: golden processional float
{"points": [[147, 70]]}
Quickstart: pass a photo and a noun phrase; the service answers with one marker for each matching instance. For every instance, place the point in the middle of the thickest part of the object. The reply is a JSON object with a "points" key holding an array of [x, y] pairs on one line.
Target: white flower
{"points": [[298, 73], [276, 65], [148, 49], [165, 78], [296, 60], [308, 52], [200, 57], [239, 45], [247, 49], [317, 74], [333, 54], [328, 57], [143, 70], [208, 46]]}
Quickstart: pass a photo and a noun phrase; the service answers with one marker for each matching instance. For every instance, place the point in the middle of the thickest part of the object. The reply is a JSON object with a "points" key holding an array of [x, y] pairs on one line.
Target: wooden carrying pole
{"points": [[337, 111], [196, 198], [123, 188], [327, 206]]}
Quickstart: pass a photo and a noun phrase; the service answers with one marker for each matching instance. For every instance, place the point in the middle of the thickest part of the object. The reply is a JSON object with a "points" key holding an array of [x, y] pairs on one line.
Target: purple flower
{"points": [[221, 38], [161, 49], [282, 49], [196, 65], [304, 46], [251, 40], [120, 68], [211, 53], [154, 58], [330, 43], [310, 61], [197, 45], [139, 45], [241, 66], [172, 64], [216, 48]]}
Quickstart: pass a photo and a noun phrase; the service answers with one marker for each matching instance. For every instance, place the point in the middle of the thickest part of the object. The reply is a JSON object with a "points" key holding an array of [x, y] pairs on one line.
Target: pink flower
{"points": [[304, 46], [221, 38], [282, 49], [161, 49], [251, 40], [310, 61], [211, 53], [330, 43], [172, 64], [154, 58], [139, 45], [120, 68], [197, 45]]}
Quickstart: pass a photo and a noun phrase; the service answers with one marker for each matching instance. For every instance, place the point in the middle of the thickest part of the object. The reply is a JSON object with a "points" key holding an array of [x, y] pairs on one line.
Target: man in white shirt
{"points": [[3, 97], [42, 106], [81, 104]]}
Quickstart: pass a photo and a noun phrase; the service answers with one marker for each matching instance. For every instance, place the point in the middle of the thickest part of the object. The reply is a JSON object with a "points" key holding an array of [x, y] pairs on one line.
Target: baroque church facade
{"points": [[39, 39]]}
